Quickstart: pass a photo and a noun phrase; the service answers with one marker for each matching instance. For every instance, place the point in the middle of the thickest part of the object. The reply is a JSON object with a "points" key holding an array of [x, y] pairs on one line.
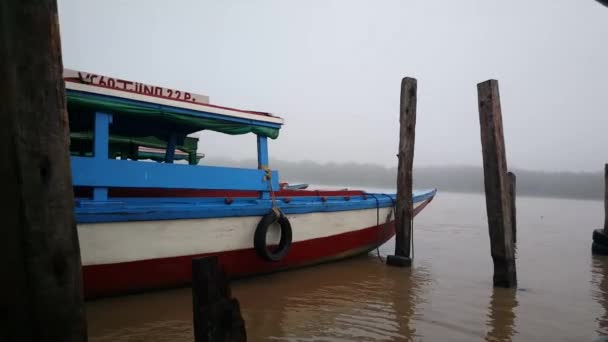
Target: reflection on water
{"points": [[446, 295], [501, 317], [600, 293], [359, 300]]}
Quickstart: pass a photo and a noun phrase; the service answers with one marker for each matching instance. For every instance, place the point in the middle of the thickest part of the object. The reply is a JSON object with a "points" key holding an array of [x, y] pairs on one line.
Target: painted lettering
{"points": [[136, 87], [122, 84]]}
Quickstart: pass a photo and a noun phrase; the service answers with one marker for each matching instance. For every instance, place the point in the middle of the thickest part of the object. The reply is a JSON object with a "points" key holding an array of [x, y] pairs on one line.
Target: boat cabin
{"points": [[126, 134]]}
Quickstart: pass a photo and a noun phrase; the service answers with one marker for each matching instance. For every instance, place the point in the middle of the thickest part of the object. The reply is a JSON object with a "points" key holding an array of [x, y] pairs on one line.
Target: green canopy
{"points": [[153, 120]]}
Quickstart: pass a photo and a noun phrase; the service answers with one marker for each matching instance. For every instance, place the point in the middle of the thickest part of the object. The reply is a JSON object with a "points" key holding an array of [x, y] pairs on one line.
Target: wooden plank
{"points": [[217, 316], [495, 182], [404, 211], [41, 291], [135, 174], [512, 200]]}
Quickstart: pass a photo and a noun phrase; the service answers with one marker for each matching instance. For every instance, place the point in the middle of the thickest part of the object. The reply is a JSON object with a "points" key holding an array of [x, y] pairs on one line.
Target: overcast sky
{"points": [[332, 70]]}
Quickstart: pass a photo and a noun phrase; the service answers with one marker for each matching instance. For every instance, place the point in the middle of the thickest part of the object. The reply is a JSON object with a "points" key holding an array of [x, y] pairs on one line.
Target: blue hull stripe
{"points": [[152, 209]]}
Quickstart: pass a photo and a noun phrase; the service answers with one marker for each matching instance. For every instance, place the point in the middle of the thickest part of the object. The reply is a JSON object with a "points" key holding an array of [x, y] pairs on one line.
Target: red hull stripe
{"points": [[128, 277]]}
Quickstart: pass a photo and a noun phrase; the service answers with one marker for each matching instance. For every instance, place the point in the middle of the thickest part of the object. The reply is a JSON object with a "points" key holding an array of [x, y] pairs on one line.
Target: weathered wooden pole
{"points": [[496, 184], [217, 316], [41, 291], [606, 199], [404, 211], [512, 202], [600, 236]]}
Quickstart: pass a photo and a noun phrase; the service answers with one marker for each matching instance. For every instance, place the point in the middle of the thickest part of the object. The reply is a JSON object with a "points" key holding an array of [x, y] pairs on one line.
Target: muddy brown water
{"points": [[446, 296]]}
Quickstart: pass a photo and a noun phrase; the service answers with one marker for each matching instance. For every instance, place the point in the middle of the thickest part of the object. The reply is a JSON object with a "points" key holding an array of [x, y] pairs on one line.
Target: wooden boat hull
{"points": [[126, 257]]}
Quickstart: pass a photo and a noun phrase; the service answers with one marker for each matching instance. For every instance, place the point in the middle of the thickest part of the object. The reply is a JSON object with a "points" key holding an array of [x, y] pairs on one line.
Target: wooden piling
{"points": [[606, 199], [496, 184], [41, 291], [512, 200], [600, 236], [217, 316], [404, 211]]}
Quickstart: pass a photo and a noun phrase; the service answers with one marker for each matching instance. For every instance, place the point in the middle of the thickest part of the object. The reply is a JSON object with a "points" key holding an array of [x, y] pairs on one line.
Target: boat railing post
{"points": [[263, 161], [404, 208], [101, 144], [496, 183], [170, 149]]}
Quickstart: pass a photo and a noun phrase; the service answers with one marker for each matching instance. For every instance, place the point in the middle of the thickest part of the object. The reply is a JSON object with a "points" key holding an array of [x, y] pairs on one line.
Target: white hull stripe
{"points": [[114, 242]]}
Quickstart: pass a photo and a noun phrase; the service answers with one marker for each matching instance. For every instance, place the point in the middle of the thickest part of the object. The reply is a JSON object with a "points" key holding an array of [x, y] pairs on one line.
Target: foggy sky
{"points": [[332, 70]]}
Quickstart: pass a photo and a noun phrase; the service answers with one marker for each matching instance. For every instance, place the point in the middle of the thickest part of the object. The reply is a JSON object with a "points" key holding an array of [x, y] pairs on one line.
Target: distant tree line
{"points": [[583, 185]]}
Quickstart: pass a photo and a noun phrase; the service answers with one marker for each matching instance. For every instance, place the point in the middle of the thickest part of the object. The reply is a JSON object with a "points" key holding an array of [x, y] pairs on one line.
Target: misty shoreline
{"points": [[460, 179]]}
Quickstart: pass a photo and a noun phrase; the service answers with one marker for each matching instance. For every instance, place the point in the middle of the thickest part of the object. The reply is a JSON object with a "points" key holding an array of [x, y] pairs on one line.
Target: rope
{"points": [[377, 224], [388, 217], [395, 211], [273, 200]]}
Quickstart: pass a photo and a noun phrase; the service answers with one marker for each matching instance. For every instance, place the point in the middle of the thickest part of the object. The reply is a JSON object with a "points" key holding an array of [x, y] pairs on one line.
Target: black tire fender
{"points": [[259, 238]]}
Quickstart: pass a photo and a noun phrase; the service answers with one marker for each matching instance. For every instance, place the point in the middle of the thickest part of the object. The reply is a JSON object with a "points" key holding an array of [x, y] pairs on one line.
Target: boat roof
{"points": [[186, 112]]}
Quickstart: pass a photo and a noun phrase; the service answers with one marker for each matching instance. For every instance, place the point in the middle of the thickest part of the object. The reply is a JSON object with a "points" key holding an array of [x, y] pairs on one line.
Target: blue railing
{"points": [[101, 173]]}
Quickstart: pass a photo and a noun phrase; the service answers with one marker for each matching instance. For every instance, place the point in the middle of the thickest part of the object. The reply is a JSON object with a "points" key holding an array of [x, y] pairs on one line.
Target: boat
{"points": [[293, 186], [146, 204]]}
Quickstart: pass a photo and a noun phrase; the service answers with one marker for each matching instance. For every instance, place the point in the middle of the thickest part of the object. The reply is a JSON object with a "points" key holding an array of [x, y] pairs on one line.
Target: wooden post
{"points": [[217, 316], [496, 184], [603, 2], [512, 200], [606, 199], [404, 212], [41, 291], [600, 236]]}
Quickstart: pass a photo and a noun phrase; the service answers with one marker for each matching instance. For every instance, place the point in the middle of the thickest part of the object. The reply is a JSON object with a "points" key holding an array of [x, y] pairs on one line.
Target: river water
{"points": [[447, 294]]}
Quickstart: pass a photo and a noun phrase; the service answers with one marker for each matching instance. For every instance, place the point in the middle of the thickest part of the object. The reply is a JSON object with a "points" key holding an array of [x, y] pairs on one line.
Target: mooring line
{"points": [[388, 218], [377, 225]]}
